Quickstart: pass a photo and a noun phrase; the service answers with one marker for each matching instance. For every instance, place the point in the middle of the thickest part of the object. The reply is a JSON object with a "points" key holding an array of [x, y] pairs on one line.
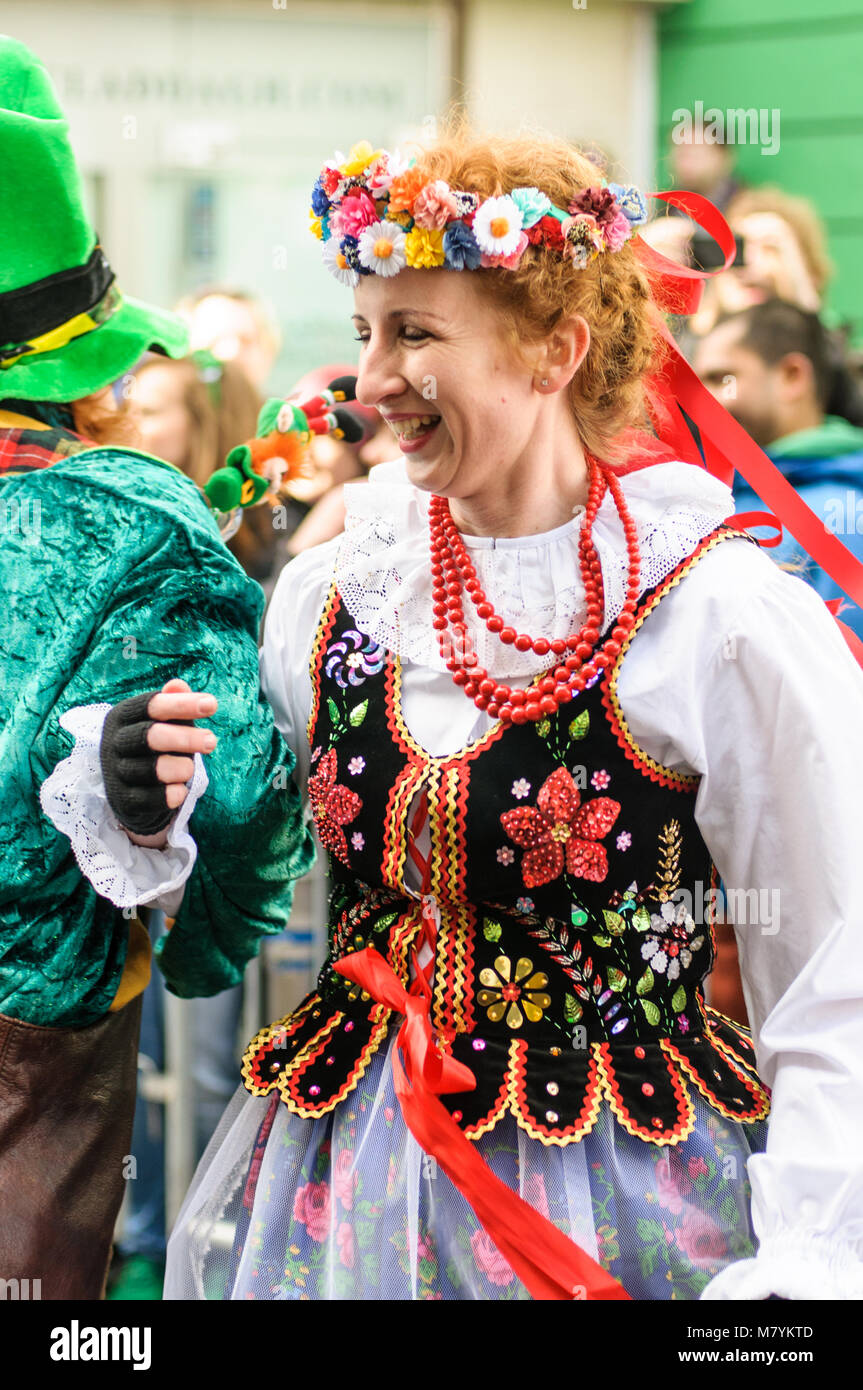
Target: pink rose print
{"points": [[489, 1260], [344, 1178], [345, 1242], [672, 1184], [535, 1194], [560, 831], [701, 1240], [696, 1167], [312, 1209]]}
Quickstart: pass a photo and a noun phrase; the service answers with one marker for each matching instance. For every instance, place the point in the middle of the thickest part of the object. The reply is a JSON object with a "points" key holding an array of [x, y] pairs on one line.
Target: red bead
{"points": [[558, 646], [487, 687], [541, 646], [562, 694], [522, 643], [469, 659], [561, 674], [460, 677], [618, 633], [548, 704], [601, 661], [508, 635], [546, 685], [481, 701], [532, 710], [519, 715], [613, 648], [439, 610], [505, 713], [484, 610], [625, 620], [493, 709], [572, 663], [578, 682], [583, 651], [518, 697], [470, 688], [591, 635], [439, 624], [495, 624]]}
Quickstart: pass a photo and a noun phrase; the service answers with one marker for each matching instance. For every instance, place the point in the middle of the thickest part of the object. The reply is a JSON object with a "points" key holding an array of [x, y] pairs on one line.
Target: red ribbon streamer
{"points": [[677, 289], [549, 1264]]}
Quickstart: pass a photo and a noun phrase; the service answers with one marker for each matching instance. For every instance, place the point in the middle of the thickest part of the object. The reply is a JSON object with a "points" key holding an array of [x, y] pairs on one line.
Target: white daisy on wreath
{"points": [[497, 226], [336, 264], [382, 248]]}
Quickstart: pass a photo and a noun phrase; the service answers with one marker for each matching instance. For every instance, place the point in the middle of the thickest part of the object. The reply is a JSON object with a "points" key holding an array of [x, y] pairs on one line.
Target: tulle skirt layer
{"points": [[349, 1207]]}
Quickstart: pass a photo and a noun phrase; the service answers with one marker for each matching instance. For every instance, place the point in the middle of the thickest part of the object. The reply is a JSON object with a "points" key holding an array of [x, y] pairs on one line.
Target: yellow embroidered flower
{"points": [[315, 225], [361, 155], [519, 996], [424, 248]]}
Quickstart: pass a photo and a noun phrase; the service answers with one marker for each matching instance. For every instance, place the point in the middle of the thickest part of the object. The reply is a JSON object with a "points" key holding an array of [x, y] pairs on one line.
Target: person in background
{"points": [[236, 327], [192, 412], [770, 366]]}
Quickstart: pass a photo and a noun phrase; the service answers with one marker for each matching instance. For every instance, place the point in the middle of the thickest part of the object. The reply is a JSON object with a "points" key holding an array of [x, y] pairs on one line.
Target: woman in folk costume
{"points": [[542, 696]]}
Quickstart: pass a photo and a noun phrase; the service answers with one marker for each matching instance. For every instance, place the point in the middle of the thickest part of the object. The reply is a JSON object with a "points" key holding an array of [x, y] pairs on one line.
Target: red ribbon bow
{"points": [[549, 1264]]}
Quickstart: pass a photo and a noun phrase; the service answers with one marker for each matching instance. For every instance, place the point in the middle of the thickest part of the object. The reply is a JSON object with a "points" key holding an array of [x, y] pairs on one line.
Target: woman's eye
{"points": [[361, 337], [415, 335]]}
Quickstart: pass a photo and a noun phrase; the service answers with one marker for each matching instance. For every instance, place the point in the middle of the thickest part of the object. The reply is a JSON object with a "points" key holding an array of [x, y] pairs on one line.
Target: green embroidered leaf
{"points": [[602, 940], [385, 921], [616, 979], [358, 714], [580, 725], [491, 930], [646, 983], [641, 918], [614, 922], [651, 1012], [649, 1229], [579, 916], [543, 728], [572, 1010], [678, 1000], [728, 1210], [333, 709]]}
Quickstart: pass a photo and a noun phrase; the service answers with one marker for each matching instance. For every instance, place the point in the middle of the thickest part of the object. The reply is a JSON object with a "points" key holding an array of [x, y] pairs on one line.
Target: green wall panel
{"points": [[807, 63]]}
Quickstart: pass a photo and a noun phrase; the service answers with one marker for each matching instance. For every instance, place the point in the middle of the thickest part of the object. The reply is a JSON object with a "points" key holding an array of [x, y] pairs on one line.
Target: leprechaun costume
{"points": [[114, 580]]}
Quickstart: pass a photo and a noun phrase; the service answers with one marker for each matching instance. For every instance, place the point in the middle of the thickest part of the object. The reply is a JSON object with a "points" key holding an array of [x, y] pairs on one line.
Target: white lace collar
{"points": [[382, 562]]}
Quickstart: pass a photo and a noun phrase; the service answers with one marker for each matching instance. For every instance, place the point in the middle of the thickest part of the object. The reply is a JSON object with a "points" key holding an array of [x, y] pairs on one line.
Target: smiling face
{"points": [[438, 365]]}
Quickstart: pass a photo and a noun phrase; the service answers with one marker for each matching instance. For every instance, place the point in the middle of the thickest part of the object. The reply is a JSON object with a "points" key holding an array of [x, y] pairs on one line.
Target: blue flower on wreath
{"points": [[531, 204], [631, 201], [349, 247], [352, 658], [320, 201], [460, 248]]}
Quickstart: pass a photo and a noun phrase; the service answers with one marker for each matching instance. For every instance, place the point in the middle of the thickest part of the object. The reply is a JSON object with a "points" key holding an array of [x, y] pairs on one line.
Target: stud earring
{"points": [[544, 381]]}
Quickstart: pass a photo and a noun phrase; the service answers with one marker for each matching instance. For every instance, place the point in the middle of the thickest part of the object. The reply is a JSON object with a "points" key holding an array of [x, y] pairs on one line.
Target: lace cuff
{"points": [[797, 1265], [73, 798]]}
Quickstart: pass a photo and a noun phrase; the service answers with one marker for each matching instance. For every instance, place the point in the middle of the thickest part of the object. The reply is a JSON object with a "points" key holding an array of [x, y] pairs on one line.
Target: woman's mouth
{"points": [[414, 431]]}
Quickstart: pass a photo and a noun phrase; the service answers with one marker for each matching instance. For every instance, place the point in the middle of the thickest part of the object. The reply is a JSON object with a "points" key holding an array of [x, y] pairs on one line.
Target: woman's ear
{"points": [[562, 353]]}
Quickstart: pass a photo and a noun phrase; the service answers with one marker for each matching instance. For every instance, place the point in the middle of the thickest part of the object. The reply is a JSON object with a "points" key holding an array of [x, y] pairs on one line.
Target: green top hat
{"points": [[65, 328]]}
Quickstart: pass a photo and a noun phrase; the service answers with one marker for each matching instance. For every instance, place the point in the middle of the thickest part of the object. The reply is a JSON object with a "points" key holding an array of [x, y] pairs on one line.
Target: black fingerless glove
{"points": [[135, 794]]}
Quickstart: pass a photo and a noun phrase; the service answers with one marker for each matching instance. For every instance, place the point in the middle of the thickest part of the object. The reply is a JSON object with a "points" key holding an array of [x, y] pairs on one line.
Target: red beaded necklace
{"points": [[451, 568]]}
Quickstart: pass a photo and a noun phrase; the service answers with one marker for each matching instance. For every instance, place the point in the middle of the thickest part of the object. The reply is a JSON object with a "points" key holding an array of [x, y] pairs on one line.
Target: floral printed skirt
{"points": [[349, 1207]]}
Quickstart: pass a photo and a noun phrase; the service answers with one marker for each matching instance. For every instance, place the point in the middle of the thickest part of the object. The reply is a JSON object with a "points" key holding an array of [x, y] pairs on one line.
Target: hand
{"points": [[146, 765]]}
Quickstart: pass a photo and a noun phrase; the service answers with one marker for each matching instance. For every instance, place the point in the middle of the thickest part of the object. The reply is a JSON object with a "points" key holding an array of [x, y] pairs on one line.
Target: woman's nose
{"points": [[378, 377]]}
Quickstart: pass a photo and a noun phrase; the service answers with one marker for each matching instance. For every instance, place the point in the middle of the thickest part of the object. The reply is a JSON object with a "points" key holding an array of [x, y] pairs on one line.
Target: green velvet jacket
{"points": [[122, 585]]}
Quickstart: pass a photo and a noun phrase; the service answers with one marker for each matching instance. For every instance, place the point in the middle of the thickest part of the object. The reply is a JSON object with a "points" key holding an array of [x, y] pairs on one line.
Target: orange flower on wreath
{"points": [[404, 189], [559, 832]]}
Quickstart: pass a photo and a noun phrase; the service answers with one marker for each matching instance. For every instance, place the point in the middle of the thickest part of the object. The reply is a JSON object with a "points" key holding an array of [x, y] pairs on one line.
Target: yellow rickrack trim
{"points": [[402, 936], [314, 1112], [283, 1027], [677, 779], [734, 1058], [686, 1126], [501, 1104], [409, 783], [703, 1089], [320, 637]]}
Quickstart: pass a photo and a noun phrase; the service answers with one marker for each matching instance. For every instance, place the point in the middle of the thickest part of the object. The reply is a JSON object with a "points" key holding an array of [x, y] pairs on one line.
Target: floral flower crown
{"points": [[376, 213]]}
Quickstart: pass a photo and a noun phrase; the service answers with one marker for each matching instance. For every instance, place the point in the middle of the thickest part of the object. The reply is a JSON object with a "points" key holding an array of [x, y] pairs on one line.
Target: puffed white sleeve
{"points": [[290, 629], [767, 704]]}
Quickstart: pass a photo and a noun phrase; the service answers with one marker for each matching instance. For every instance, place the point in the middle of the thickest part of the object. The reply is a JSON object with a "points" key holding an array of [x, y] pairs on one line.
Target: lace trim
{"points": [[382, 569], [74, 800]]}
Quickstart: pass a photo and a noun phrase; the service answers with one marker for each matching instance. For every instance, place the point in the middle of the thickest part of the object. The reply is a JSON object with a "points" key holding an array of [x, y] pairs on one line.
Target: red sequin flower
{"points": [[559, 830], [333, 806]]}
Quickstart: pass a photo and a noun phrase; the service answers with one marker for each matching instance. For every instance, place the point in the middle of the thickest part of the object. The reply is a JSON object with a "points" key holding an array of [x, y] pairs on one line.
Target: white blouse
{"points": [[740, 676]]}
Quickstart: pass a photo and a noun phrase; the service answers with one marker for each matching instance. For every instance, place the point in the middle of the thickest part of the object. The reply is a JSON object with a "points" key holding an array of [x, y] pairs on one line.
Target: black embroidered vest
{"points": [[574, 897]]}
